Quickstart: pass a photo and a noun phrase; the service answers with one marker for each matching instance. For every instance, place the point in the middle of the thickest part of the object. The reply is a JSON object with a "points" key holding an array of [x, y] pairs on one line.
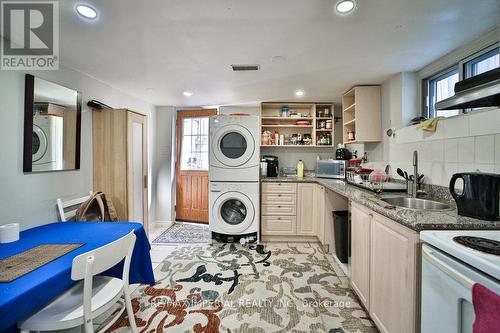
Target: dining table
{"points": [[29, 293]]}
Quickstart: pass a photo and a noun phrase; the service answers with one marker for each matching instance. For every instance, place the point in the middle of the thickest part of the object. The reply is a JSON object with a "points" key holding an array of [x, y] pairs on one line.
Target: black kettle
{"points": [[480, 197]]}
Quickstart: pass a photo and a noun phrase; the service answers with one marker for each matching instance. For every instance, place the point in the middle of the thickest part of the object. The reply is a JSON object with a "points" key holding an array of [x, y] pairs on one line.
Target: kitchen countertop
{"points": [[417, 220]]}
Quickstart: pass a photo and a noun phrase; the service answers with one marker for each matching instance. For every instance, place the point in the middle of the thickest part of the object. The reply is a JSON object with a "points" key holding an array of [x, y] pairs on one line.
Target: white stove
{"points": [[483, 261], [452, 262]]}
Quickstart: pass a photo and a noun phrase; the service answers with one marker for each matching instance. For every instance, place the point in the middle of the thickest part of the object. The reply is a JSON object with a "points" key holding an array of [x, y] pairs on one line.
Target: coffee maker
{"points": [[269, 166], [342, 153]]}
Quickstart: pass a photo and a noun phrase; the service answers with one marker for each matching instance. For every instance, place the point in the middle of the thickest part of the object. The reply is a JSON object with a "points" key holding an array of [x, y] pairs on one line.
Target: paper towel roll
{"points": [[9, 232]]}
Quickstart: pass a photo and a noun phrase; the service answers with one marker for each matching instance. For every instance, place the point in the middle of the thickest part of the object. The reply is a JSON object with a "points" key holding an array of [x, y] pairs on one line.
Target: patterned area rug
{"points": [[184, 233], [252, 288]]}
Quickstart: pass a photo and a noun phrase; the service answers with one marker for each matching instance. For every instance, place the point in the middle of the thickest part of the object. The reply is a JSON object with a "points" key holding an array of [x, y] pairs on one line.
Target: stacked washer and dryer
{"points": [[234, 178]]}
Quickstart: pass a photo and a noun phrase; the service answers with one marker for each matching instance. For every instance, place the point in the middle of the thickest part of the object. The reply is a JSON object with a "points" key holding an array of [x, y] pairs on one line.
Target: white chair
{"points": [[72, 205], [93, 296]]}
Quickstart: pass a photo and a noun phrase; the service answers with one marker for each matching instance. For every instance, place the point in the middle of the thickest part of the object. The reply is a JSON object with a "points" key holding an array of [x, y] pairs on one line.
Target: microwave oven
{"points": [[331, 169]]}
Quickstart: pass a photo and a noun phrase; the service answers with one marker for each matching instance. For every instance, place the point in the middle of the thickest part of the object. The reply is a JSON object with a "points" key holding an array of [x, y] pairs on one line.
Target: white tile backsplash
{"points": [[484, 167], [437, 151], [455, 127], [484, 122], [485, 149], [461, 144], [465, 167], [466, 150], [451, 150]]}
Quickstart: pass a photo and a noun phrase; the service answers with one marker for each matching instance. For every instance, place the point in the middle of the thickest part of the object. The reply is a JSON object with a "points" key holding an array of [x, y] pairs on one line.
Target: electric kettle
{"points": [[480, 197]]}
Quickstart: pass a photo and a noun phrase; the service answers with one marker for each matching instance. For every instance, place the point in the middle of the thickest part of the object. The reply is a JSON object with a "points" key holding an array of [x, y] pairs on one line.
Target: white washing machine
{"points": [[234, 208], [47, 142], [234, 149]]}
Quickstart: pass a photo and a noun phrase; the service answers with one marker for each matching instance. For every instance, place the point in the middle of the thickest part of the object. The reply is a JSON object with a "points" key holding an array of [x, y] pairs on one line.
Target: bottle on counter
{"points": [[300, 169], [276, 138]]}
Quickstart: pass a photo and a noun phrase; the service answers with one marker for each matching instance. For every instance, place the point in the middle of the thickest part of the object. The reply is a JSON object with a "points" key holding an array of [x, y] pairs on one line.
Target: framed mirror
{"points": [[52, 126]]}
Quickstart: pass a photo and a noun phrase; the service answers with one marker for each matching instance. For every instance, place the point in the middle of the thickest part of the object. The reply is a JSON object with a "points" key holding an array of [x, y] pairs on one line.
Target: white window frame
{"points": [[461, 64]]}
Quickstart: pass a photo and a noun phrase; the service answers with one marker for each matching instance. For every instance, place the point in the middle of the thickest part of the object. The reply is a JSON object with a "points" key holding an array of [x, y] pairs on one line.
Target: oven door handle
{"points": [[460, 278]]}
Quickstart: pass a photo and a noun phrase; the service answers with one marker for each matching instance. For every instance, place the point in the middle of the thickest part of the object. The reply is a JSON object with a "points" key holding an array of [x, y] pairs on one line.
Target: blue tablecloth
{"points": [[27, 294]]}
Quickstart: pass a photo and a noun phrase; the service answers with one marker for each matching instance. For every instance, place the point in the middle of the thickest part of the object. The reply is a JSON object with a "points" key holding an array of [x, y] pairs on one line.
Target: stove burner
{"points": [[485, 245]]}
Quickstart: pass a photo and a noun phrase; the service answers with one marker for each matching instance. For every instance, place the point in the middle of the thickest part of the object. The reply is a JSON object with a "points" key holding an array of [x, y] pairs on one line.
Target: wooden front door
{"points": [[192, 165]]}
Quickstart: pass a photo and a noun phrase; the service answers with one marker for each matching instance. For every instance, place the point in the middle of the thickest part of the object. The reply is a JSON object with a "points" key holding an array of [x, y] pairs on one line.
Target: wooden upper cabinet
{"points": [[361, 219], [306, 224], [362, 114], [393, 275]]}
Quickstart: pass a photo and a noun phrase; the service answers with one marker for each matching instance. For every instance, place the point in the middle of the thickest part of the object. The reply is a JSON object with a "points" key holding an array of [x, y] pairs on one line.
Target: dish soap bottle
{"points": [[300, 169]]}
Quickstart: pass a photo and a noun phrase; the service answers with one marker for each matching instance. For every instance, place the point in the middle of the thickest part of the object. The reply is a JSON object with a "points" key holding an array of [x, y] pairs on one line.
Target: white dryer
{"points": [[234, 148], [234, 208], [47, 145]]}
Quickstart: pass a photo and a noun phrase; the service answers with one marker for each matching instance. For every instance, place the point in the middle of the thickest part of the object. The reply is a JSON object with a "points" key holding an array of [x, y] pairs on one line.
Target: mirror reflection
{"points": [[55, 113]]}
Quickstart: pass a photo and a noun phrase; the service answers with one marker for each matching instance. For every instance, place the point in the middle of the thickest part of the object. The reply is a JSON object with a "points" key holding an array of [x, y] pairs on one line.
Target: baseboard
{"points": [[295, 239], [162, 224]]}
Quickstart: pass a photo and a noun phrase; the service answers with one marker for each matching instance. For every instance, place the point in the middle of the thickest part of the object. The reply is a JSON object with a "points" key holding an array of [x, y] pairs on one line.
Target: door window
{"points": [[233, 211], [233, 145], [194, 150]]}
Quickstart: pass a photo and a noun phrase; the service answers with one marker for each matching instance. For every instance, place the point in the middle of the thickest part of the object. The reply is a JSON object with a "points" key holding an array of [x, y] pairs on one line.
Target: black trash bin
{"points": [[341, 231]]}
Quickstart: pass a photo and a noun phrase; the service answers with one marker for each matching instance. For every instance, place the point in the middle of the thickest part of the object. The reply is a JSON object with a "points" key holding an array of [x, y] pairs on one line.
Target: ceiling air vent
{"points": [[237, 68]]}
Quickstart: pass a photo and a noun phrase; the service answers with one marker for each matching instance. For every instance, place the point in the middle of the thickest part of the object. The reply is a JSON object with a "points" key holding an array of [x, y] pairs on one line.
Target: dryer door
{"points": [[234, 211], [39, 144], [233, 145]]}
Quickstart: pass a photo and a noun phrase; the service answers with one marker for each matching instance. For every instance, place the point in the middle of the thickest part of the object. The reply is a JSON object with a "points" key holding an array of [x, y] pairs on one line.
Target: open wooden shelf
{"points": [[350, 122], [288, 126], [271, 117], [361, 107], [350, 108]]}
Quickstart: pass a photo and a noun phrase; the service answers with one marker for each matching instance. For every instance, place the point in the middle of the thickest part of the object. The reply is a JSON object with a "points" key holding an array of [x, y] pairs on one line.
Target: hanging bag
{"points": [[97, 208]]}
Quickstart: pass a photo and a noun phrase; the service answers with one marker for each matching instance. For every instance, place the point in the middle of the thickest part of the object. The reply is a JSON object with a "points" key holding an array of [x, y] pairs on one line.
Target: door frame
{"points": [[133, 117], [187, 113]]}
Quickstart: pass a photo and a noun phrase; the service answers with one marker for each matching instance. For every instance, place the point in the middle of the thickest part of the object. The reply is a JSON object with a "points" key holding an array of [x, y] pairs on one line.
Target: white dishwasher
{"points": [[452, 262]]}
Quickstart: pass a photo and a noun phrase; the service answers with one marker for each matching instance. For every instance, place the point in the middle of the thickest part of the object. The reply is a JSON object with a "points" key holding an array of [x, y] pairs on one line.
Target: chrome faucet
{"points": [[415, 174]]}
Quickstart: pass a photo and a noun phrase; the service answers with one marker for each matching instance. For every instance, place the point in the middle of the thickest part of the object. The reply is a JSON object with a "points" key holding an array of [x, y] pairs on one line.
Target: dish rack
{"points": [[354, 177]]}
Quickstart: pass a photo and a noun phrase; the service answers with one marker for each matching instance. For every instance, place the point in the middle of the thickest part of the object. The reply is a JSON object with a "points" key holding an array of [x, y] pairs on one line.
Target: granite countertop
{"points": [[417, 220]]}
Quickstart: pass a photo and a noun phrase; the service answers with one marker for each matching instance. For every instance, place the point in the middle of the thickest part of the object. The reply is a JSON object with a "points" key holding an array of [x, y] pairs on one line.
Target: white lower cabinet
{"points": [[394, 294], [306, 224], [384, 270], [361, 219], [291, 209]]}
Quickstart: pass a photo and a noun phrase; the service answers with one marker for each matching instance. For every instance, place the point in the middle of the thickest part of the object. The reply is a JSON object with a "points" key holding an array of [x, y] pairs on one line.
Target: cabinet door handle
{"points": [[145, 181], [279, 218], [279, 195], [370, 215], [279, 206], [279, 184]]}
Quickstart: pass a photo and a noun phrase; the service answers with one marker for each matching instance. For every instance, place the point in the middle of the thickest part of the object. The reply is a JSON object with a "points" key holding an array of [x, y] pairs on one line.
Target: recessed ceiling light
{"points": [[345, 6], [187, 93], [86, 11], [299, 93]]}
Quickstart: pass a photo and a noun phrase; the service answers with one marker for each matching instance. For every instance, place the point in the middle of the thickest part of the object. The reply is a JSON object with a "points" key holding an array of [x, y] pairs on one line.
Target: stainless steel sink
{"points": [[414, 203]]}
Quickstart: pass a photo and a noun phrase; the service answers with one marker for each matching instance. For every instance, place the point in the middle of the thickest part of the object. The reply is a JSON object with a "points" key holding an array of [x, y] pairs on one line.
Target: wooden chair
{"points": [[72, 205], [91, 297]]}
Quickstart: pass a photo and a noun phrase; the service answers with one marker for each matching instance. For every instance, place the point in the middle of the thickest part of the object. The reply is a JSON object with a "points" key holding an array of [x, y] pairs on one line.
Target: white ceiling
{"points": [[156, 49]]}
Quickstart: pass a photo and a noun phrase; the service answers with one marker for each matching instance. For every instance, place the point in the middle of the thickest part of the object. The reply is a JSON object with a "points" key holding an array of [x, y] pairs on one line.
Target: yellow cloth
{"points": [[430, 125]]}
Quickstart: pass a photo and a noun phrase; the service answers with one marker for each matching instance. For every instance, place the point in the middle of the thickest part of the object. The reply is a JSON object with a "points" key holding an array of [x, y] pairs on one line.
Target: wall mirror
{"points": [[52, 126]]}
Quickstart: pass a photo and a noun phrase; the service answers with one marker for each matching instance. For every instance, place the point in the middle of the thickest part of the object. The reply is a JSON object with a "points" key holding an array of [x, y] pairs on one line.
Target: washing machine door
{"points": [[234, 211], [233, 145], [39, 144]]}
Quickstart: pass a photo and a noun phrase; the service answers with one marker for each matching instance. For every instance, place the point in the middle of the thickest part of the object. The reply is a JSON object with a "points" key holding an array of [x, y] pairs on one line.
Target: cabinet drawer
{"points": [[279, 198], [279, 188], [279, 225], [279, 209]]}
